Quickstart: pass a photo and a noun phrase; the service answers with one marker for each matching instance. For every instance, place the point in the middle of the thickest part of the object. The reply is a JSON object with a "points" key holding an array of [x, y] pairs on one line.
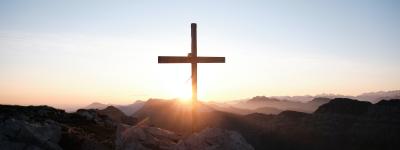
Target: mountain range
{"points": [[373, 97], [126, 109], [256, 123], [341, 123], [267, 105], [47, 128]]}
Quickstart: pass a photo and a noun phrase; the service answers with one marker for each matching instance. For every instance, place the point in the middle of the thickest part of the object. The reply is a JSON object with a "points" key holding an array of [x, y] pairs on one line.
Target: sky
{"points": [[71, 53]]}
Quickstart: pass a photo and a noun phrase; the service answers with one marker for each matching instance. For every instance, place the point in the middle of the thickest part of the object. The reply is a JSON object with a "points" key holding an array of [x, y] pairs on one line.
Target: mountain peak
{"points": [[117, 115], [96, 105], [344, 106], [392, 102], [320, 100], [261, 99], [112, 108]]}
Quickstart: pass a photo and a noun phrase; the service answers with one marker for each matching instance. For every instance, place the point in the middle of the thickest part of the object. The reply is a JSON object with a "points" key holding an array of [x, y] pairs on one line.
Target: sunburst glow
{"points": [[176, 87]]}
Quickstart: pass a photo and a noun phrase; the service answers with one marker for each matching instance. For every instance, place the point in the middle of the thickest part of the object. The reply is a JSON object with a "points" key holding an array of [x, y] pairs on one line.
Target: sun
{"points": [[175, 82], [178, 89], [182, 92]]}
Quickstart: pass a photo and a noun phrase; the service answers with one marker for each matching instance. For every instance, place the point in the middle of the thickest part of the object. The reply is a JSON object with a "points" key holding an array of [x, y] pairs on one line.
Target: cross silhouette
{"points": [[193, 59]]}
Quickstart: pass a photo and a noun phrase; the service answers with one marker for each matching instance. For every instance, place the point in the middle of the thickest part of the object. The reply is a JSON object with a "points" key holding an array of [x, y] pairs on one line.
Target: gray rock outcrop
{"points": [[149, 138], [19, 134], [145, 138], [214, 139]]}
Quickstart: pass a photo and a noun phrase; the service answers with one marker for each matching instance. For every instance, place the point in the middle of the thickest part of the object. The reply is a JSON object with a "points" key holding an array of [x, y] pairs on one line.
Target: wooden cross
{"points": [[193, 59]]}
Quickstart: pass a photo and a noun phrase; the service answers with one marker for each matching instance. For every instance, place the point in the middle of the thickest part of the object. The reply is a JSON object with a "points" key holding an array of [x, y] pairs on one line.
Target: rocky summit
{"points": [[43, 127], [214, 139], [149, 138]]}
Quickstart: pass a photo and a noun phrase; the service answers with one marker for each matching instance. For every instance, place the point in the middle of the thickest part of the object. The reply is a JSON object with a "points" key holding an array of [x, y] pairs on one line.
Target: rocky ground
{"points": [[43, 127]]}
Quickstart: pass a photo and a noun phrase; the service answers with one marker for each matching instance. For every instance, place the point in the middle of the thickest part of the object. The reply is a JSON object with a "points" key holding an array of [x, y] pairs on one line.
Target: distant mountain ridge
{"points": [[126, 109], [368, 96], [271, 105], [374, 97], [297, 103], [117, 115], [96, 105], [278, 105]]}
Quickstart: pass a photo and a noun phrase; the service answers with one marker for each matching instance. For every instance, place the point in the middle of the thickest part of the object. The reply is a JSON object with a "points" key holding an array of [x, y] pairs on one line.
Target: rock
{"points": [[31, 113], [94, 116], [145, 138], [149, 138], [89, 114], [30, 127], [20, 134], [43, 127], [214, 139], [76, 138], [86, 129]]}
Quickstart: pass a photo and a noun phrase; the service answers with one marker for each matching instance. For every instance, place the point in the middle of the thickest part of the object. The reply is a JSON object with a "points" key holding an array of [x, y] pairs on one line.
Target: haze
{"points": [[71, 53]]}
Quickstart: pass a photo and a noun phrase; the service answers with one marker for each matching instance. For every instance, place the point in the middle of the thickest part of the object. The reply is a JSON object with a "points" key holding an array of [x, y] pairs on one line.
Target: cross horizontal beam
{"points": [[185, 59]]}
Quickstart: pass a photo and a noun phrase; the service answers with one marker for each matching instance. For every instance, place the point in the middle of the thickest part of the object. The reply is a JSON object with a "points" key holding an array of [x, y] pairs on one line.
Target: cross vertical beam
{"points": [[194, 76], [193, 60]]}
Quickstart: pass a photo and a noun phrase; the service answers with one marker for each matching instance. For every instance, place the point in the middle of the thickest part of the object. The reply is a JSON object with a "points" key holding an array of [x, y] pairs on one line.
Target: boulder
{"points": [[145, 138], [93, 116], [21, 134], [149, 138], [214, 139]]}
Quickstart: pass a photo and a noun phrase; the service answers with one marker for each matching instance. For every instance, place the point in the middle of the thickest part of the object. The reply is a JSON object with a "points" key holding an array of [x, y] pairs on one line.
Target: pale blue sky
{"points": [[106, 50]]}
